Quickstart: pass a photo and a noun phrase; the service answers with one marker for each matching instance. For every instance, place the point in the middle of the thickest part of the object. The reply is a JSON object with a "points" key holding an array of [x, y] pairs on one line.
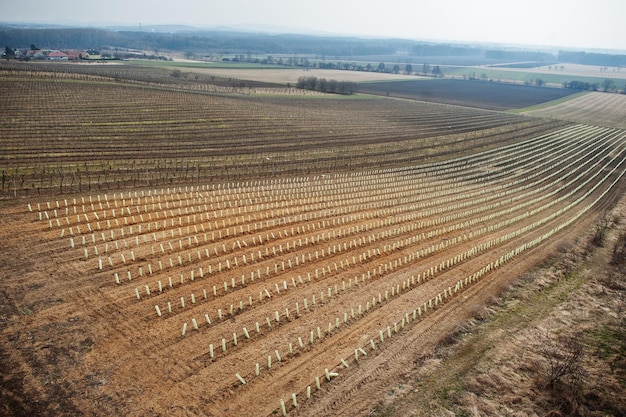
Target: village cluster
{"points": [[53, 54]]}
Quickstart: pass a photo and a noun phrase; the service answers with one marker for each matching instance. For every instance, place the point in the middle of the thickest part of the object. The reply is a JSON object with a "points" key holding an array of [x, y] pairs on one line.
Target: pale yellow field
{"points": [[599, 109], [291, 75]]}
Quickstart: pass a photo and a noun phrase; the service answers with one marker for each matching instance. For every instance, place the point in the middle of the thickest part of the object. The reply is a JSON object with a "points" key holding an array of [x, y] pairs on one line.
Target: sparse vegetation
{"points": [[600, 232], [609, 344], [619, 251], [563, 356]]}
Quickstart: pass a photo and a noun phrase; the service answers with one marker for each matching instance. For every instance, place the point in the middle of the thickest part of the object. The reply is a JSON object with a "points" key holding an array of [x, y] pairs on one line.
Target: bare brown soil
{"points": [[350, 279]]}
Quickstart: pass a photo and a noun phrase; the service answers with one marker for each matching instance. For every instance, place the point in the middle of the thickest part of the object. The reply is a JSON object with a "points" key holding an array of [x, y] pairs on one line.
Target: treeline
{"points": [[581, 85], [607, 85], [518, 56], [82, 38], [514, 55], [437, 49], [326, 86], [590, 58], [198, 41]]}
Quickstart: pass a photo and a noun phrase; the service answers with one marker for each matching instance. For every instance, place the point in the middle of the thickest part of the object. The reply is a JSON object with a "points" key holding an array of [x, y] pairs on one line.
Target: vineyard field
{"points": [[185, 252], [592, 108], [68, 133]]}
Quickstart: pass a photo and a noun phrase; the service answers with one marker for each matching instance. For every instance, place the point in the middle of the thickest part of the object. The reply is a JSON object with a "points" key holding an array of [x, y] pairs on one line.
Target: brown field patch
{"points": [[470, 93]]}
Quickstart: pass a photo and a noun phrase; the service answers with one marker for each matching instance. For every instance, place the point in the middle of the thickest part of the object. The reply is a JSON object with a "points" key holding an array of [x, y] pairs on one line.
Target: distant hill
{"points": [[231, 41]]}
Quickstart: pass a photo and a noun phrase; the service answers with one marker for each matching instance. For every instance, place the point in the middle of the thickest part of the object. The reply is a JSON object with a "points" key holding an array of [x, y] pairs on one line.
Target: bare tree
{"points": [[563, 359]]}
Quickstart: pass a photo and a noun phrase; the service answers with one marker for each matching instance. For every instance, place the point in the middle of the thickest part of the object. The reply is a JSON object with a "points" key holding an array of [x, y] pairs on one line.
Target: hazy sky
{"points": [[569, 23]]}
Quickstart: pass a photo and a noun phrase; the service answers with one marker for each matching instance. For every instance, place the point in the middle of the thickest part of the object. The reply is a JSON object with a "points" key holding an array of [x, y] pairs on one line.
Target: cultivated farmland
{"points": [[68, 133], [190, 278], [486, 95]]}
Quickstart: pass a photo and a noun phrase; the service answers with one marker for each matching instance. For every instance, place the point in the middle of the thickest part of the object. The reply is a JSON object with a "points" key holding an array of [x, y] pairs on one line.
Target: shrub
{"points": [[562, 360], [619, 251], [599, 236]]}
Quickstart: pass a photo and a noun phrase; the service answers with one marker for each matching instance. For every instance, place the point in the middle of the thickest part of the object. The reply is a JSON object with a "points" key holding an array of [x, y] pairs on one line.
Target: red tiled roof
{"points": [[57, 54]]}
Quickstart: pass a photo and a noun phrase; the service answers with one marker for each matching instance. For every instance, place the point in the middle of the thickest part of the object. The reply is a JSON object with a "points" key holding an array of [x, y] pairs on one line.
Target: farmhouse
{"points": [[92, 54], [74, 54], [33, 54], [58, 56]]}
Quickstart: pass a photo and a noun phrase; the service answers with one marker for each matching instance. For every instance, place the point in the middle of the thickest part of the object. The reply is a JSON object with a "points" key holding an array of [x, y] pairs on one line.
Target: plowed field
{"points": [[485, 95]]}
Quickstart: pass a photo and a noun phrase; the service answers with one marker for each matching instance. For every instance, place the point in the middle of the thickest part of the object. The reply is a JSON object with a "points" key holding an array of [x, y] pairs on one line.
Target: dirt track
{"points": [[406, 252]]}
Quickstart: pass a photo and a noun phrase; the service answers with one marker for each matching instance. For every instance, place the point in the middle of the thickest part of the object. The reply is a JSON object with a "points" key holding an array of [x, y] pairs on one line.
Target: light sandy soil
{"points": [[106, 299], [291, 75]]}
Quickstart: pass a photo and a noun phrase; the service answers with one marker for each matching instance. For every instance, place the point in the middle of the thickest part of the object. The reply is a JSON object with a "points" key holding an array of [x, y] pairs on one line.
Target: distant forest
{"points": [[199, 42]]}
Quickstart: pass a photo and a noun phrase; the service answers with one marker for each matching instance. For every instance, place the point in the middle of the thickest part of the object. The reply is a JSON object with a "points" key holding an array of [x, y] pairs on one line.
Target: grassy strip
{"points": [[434, 393], [326, 96], [522, 76]]}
